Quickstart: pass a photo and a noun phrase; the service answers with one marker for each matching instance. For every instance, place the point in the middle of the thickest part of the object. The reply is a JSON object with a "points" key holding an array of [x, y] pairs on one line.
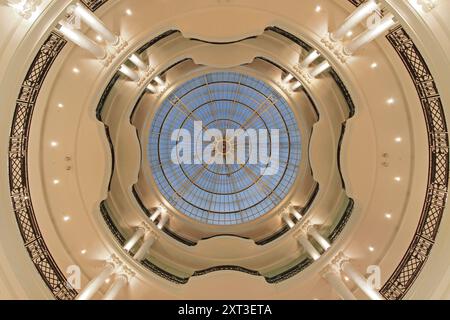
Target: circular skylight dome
{"points": [[224, 148]]}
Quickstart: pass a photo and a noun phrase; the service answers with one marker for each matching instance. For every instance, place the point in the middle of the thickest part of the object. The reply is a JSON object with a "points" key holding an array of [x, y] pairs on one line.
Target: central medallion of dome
{"points": [[224, 148]]}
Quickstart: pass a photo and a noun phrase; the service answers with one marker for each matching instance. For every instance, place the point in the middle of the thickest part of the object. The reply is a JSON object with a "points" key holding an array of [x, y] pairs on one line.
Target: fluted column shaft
{"points": [[307, 245], [362, 12], [163, 221], [334, 279], [323, 66], [296, 214], [80, 39], [158, 211], [138, 234], [138, 62], [133, 75], [95, 23], [95, 284], [119, 283], [145, 247], [310, 59], [370, 34], [288, 221], [319, 238], [360, 281]]}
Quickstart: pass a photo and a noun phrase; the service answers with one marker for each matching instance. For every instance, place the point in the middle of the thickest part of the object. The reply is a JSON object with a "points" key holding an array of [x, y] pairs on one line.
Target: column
{"points": [[360, 281], [80, 39], [159, 81], [332, 275], [138, 234], [152, 89], [163, 221], [296, 85], [320, 68], [310, 59], [370, 34], [122, 278], [145, 247], [296, 214], [309, 248], [157, 213], [318, 237], [95, 23], [288, 78], [120, 281], [361, 13], [133, 75], [288, 221], [138, 62], [95, 284]]}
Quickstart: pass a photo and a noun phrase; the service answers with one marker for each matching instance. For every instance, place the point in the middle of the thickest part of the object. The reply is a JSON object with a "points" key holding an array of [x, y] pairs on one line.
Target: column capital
{"points": [[340, 259], [285, 211], [126, 272], [310, 227], [114, 260], [330, 268], [304, 228], [151, 234], [336, 47], [144, 225], [70, 10]]}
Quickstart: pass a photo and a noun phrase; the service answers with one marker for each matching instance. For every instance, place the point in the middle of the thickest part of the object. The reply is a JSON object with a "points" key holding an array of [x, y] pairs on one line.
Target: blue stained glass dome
{"points": [[228, 193]]}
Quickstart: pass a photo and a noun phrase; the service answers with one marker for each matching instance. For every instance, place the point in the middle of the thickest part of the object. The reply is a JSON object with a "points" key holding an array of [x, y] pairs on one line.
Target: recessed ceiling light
{"points": [[129, 12], [318, 8], [108, 280], [398, 139], [390, 101], [54, 144], [346, 278], [388, 216], [83, 251], [60, 105], [99, 38], [398, 179], [76, 70], [349, 33], [374, 65], [56, 181], [66, 218], [371, 249]]}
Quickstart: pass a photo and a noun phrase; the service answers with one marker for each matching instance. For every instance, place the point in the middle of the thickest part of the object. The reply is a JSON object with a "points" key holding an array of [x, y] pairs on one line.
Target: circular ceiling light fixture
{"points": [[224, 148]]}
